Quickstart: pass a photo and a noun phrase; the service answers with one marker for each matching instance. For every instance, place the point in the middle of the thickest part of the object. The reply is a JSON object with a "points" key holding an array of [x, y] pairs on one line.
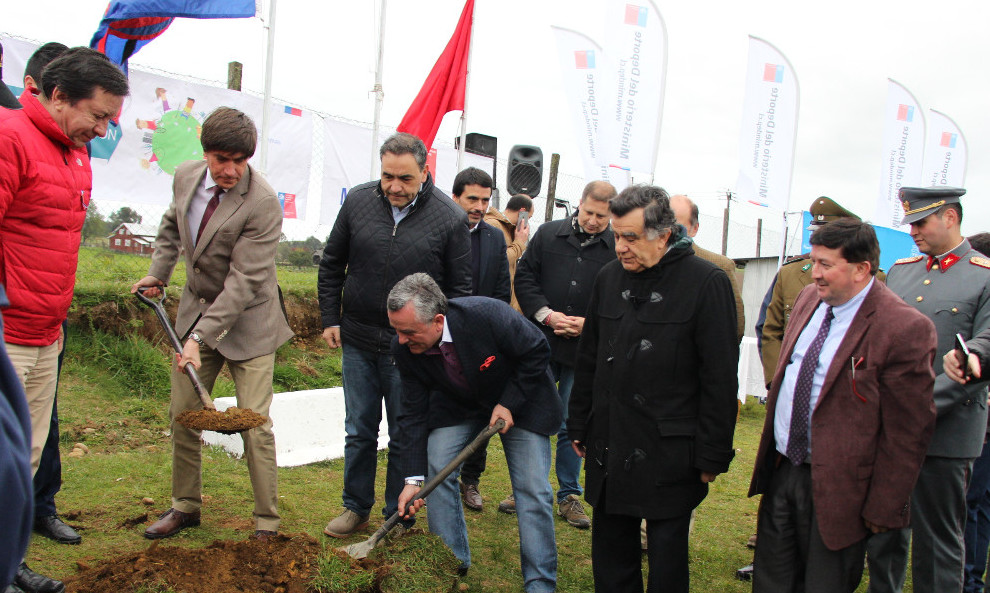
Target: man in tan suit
{"points": [[686, 212], [227, 221]]}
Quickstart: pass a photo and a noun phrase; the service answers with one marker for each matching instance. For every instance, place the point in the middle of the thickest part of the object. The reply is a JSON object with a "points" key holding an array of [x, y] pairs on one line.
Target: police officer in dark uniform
{"points": [[950, 284]]}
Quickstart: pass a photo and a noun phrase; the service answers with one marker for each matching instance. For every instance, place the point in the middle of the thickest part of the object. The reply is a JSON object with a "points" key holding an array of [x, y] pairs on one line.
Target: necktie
{"points": [[797, 440], [452, 365], [211, 207]]}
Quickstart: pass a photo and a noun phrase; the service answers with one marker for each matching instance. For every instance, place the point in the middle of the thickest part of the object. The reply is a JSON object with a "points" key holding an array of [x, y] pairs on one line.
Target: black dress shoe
{"points": [[33, 582], [745, 573], [12, 588], [54, 528]]}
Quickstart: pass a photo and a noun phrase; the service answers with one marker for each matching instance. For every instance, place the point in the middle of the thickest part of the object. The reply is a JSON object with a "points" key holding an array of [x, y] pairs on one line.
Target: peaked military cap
{"points": [[919, 202], [825, 209]]}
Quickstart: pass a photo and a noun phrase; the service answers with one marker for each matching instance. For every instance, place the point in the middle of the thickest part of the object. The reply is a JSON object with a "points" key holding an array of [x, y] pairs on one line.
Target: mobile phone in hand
{"points": [[962, 354], [523, 216]]}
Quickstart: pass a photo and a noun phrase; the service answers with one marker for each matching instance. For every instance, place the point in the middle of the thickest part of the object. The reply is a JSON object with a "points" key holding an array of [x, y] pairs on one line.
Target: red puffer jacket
{"points": [[45, 184]]}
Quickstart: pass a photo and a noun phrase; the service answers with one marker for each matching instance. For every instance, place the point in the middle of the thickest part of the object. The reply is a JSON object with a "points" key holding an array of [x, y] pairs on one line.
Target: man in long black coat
{"points": [[654, 401]]}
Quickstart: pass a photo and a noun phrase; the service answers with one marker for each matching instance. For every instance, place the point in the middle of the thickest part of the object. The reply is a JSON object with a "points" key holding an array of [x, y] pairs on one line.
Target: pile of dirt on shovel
{"points": [[231, 420], [416, 562]]}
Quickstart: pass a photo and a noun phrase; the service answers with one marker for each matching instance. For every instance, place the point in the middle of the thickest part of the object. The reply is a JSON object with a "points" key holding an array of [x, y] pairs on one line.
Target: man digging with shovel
{"points": [[227, 221], [467, 363]]}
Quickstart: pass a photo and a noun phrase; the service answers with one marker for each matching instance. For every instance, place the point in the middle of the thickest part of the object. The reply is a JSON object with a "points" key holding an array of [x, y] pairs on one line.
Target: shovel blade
{"points": [[359, 550]]}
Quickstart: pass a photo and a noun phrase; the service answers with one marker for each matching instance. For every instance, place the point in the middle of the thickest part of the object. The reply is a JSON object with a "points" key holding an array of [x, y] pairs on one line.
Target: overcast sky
{"points": [[843, 52]]}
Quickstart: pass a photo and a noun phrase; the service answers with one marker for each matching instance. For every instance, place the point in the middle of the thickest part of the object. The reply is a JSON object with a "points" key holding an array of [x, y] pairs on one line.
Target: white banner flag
{"points": [[769, 127], [581, 66], [159, 129], [902, 153], [633, 87], [945, 152]]}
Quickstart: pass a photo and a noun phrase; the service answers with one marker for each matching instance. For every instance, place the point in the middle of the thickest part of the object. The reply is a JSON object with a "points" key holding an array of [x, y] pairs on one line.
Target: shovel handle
{"points": [[434, 481], [159, 309]]}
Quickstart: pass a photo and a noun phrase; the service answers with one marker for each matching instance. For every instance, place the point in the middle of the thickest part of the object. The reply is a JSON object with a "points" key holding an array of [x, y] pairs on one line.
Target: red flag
{"points": [[443, 90]]}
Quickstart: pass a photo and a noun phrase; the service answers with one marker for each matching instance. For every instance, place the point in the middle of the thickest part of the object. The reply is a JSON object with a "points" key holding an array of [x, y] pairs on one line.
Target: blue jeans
{"points": [[977, 535], [528, 457], [568, 463], [368, 378]]}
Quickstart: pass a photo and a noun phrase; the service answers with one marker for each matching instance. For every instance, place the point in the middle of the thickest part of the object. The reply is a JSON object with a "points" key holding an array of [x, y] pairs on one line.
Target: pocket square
{"points": [[488, 362]]}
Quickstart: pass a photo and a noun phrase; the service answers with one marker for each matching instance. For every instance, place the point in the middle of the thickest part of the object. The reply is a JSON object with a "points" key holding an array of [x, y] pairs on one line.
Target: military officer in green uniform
{"points": [[793, 276], [950, 284]]}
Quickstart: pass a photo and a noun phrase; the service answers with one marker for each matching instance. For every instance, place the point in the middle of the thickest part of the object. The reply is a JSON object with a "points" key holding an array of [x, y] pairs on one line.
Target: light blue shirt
{"points": [[843, 316], [398, 214]]}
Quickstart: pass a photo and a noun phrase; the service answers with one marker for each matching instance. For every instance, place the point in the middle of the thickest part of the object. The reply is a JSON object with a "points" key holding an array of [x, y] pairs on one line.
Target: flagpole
{"points": [[467, 92], [379, 95], [267, 105]]}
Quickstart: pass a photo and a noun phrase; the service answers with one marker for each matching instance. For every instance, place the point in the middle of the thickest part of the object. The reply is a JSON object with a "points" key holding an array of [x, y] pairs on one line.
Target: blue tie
{"points": [[797, 440]]}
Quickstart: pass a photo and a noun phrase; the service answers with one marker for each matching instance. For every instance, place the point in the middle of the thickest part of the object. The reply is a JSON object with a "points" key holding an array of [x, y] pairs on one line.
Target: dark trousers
{"points": [[791, 556], [48, 479], [616, 553], [977, 535]]}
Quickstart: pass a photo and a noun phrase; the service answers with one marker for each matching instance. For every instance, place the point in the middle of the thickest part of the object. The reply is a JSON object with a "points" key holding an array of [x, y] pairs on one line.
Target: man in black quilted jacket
{"points": [[385, 231]]}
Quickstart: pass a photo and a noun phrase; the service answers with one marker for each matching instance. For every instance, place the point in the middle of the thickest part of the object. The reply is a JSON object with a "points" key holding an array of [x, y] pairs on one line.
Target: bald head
{"points": [[686, 213]]}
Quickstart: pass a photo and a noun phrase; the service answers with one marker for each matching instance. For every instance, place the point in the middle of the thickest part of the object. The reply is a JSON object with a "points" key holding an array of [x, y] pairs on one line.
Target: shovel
{"points": [[361, 549], [250, 420]]}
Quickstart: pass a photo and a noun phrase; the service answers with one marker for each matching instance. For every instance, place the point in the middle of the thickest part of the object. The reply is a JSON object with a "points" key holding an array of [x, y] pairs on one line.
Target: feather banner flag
{"points": [[444, 88]]}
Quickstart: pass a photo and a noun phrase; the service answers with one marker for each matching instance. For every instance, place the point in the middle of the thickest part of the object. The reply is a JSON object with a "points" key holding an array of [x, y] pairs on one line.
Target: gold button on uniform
{"points": [[934, 266], [919, 299], [926, 282], [955, 310]]}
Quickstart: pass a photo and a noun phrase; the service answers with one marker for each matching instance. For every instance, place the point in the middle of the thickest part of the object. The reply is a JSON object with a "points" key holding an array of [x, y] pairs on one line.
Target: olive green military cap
{"points": [[825, 209]]}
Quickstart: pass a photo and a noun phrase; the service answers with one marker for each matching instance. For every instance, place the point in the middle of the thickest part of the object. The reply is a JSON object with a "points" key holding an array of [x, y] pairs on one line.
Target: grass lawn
{"points": [[113, 398]]}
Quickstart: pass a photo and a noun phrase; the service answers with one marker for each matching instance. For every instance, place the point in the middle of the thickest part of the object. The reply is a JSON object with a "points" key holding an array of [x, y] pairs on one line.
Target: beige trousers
{"points": [[253, 385], [37, 369]]}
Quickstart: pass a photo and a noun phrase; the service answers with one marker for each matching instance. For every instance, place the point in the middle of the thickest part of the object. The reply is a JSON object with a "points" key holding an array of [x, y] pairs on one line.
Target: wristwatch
{"points": [[195, 338], [414, 482]]}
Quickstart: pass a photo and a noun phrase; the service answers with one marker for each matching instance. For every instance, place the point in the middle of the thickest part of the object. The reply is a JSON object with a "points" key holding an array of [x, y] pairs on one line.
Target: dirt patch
{"points": [[231, 420], [416, 562]]}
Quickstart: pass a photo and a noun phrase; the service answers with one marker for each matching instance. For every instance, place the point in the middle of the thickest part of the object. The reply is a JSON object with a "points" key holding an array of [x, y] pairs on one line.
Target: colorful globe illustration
{"points": [[176, 140]]}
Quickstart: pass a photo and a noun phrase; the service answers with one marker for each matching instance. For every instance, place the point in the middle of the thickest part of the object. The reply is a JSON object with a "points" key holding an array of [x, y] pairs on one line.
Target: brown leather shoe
{"points": [[170, 523], [471, 496]]}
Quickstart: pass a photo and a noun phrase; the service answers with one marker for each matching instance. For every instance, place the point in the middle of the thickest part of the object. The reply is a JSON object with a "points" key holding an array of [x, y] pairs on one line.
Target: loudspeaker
{"points": [[525, 170], [478, 144]]}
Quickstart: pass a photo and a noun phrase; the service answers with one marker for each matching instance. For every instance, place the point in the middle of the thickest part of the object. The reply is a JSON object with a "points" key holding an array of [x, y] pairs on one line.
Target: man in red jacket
{"points": [[45, 185]]}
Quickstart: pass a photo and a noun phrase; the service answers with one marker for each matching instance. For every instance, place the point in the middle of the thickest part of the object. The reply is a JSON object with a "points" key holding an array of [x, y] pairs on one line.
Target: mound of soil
{"points": [[416, 562], [229, 421], [283, 564]]}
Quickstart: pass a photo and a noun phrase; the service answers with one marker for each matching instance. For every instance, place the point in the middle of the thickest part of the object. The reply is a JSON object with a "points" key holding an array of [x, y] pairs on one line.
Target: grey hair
{"points": [[422, 291], [401, 143], [658, 216]]}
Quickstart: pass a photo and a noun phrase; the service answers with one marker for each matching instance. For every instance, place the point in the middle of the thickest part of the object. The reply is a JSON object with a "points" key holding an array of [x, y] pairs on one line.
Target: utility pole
{"points": [[725, 222]]}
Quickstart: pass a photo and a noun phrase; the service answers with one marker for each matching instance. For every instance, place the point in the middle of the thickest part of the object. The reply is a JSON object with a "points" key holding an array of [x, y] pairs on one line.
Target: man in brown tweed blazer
{"points": [[226, 221]]}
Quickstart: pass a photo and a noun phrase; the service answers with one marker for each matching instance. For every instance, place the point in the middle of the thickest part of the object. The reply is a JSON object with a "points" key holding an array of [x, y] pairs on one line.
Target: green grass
{"points": [[114, 398]]}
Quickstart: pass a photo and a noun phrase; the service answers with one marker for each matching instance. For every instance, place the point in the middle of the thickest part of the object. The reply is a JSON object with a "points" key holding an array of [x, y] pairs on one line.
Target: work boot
{"points": [[570, 509], [263, 535], [508, 505], [171, 522], [471, 496], [54, 528], [346, 524], [32, 582]]}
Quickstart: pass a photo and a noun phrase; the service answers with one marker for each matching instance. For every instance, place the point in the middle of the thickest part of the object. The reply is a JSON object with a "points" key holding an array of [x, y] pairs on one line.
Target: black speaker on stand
{"points": [[525, 170]]}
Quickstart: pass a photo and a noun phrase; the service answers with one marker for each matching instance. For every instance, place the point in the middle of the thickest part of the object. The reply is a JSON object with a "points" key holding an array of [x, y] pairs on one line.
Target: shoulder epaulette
{"points": [[794, 260], [983, 262], [909, 260]]}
